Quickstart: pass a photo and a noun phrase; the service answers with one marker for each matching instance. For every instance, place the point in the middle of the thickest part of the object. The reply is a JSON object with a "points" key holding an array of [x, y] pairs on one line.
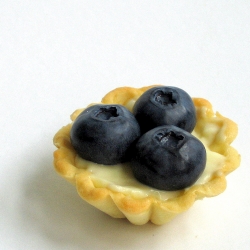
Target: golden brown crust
{"points": [[141, 210]]}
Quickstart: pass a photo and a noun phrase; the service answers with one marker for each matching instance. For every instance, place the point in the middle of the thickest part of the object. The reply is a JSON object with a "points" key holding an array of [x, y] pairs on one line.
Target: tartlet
{"points": [[137, 202]]}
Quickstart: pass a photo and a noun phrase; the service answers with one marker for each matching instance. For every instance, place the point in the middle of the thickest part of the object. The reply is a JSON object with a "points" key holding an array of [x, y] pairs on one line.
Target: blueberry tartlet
{"points": [[146, 154]]}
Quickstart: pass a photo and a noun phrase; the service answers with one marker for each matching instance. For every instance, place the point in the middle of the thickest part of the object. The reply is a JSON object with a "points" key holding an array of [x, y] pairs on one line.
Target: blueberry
{"points": [[168, 158], [105, 134], [165, 106]]}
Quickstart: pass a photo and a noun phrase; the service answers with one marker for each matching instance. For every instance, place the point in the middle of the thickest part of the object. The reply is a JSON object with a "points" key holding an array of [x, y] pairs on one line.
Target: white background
{"points": [[57, 56]]}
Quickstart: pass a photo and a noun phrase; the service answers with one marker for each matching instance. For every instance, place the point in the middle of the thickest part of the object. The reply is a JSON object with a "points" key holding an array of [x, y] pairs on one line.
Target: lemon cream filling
{"points": [[119, 178]]}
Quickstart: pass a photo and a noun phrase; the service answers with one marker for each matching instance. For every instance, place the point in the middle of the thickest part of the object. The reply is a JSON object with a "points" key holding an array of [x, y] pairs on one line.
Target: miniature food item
{"points": [[165, 106], [114, 189], [104, 134], [168, 158]]}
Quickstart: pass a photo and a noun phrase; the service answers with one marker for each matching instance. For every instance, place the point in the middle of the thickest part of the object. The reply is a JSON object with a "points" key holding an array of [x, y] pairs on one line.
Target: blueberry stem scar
{"points": [[107, 113], [169, 138], [165, 98]]}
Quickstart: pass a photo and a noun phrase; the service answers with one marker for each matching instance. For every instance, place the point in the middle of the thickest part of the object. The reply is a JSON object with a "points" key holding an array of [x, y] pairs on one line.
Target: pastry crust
{"points": [[141, 210]]}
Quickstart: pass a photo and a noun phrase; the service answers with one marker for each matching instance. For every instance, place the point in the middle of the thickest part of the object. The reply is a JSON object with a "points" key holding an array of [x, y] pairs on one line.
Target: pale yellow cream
{"points": [[119, 178]]}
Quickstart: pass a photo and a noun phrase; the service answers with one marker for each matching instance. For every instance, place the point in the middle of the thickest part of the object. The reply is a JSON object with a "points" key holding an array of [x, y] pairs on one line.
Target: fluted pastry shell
{"points": [[140, 210]]}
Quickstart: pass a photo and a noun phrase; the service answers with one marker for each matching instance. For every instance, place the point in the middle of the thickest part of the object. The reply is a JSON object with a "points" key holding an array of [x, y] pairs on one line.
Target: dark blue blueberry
{"points": [[165, 106], [168, 158], [105, 134]]}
